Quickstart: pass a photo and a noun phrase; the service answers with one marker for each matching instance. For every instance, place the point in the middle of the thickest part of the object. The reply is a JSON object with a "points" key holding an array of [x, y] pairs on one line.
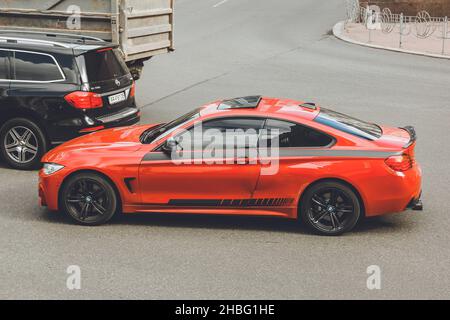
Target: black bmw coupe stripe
{"points": [[262, 202], [296, 152]]}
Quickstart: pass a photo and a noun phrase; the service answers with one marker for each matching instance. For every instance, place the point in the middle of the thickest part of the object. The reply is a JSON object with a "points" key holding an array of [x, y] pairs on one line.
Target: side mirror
{"points": [[170, 145]]}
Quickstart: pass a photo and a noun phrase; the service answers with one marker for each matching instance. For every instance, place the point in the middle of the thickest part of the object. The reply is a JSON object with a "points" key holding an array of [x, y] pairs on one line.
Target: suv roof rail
{"points": [[33, 41], [53, 35]]}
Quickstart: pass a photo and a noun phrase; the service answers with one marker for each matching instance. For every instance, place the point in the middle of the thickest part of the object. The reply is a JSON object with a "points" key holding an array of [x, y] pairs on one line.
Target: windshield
{"points": [[164, 129], [349, 124]]}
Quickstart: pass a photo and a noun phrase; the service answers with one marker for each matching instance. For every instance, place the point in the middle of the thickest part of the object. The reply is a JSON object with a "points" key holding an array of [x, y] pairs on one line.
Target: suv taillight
{"points": [[401, 162], [84, 100], [133, 89]]}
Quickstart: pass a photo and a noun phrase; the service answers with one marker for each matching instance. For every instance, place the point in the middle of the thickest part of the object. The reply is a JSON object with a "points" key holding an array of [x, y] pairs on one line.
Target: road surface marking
{"points": [[219, 3]]}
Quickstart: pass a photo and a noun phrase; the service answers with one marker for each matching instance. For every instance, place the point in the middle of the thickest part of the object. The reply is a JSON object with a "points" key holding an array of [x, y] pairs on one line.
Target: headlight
{"points": [[50, 168]]}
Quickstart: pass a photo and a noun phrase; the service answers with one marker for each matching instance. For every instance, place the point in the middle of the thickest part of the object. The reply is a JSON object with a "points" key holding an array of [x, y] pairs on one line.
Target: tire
{"points": [[89, 199], [22, 144], [136, 70], [330, 208]]}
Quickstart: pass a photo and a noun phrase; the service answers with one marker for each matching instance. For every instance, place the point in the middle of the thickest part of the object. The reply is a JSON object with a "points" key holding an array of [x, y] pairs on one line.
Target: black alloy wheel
{"points": [[89, 199], [330, 208]]}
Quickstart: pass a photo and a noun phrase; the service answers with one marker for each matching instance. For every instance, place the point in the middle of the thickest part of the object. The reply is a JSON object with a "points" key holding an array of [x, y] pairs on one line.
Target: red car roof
{"points": [[271, 106]]}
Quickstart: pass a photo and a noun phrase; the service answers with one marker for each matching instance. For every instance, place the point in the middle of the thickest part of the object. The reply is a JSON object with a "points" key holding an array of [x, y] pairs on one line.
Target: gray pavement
{"points": [[240, 47]]}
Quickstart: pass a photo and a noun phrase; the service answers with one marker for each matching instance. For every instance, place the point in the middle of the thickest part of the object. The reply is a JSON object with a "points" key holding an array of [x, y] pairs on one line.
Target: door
{"points": [[215, 165], [33, 77], [5, 74], [38, 84], [289, 159]]}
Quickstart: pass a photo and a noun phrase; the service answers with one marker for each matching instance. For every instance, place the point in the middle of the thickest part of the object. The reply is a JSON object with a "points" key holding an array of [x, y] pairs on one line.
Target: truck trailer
{"points": [[141, 28]]}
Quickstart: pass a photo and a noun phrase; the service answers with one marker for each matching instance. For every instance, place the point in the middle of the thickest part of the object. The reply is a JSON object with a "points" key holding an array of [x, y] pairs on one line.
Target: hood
{"points": [[123, 139]]}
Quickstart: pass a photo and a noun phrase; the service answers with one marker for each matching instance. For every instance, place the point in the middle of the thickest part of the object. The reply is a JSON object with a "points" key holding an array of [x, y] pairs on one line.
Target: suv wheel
{"points": [[22, 143]]}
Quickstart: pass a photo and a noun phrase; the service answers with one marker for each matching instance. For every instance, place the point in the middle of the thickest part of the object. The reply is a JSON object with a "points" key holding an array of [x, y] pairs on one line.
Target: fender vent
{"points": [[128, 183]]}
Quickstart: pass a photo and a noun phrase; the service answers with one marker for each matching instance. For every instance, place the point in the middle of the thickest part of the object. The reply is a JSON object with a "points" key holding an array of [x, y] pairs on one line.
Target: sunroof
{"points": [[309, 105], [240, 103]]}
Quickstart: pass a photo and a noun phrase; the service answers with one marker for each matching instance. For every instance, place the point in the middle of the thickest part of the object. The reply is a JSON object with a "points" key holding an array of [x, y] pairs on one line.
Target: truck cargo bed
{"points": [[142, 28]]}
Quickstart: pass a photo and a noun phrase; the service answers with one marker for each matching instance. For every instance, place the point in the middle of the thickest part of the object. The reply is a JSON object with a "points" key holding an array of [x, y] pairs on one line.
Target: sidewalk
{"points": [[357, 33]]}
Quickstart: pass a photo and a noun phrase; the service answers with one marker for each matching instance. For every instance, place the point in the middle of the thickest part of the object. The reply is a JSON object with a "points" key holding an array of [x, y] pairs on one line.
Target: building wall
{"points": [[436, 8]]}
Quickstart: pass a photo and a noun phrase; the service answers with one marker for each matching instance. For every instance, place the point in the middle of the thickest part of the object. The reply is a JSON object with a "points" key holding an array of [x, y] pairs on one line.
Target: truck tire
{"points": [[136, 69]]}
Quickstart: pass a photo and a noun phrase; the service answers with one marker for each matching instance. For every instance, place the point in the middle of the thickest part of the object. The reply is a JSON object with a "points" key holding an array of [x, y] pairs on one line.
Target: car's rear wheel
{"points": [[330, 208], [89, 199], [22, 143]]}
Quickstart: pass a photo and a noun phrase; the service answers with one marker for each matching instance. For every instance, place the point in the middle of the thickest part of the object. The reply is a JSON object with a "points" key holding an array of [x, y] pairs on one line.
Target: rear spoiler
{"points": [[412, 134], [85, 48]]}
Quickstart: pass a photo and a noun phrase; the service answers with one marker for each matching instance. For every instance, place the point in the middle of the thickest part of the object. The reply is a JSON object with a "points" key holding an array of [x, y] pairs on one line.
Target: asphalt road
{"points": [[232, 48]]}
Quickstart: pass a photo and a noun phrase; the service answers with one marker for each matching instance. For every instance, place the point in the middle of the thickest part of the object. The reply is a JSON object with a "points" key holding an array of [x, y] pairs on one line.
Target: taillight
{"points": [[84, 100], [401, 162], [133, 90]]}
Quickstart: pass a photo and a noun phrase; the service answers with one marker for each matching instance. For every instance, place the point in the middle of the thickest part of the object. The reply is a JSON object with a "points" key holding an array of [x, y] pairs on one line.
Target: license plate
{"points": [[117, 98]]}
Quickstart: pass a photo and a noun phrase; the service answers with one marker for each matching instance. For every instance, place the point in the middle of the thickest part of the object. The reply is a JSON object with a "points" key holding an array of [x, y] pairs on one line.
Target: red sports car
{"points": [[245, 156]]}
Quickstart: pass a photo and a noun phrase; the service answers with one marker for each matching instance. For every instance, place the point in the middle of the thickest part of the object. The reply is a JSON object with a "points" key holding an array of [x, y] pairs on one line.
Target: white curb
{"points": [[338, 31]]}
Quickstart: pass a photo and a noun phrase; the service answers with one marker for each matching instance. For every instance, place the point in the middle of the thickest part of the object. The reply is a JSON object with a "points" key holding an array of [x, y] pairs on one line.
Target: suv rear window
{"points": [[349, 124], [104, 65]]}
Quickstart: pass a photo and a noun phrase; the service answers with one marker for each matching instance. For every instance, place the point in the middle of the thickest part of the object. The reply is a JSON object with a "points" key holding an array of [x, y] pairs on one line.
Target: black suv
{"points": [[55, 87]]}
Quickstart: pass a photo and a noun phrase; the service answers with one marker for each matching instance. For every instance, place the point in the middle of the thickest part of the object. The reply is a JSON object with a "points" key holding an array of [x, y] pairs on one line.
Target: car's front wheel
{"points": [[22, 143], [89, 199], [330, 208]]}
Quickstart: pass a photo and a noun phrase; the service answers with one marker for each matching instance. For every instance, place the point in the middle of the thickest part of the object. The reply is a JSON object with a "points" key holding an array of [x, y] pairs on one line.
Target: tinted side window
{"points": [[223, 132], [224, 124], [35, 67], [291, 134], [4, 65], [349, 124]]}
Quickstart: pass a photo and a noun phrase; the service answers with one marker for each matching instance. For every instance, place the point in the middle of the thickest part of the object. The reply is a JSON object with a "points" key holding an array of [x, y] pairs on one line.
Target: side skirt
{"points": [[285, 212]]}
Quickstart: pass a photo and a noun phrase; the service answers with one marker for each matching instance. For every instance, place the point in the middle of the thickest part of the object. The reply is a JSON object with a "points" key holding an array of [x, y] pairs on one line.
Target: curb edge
{"points": [[338, 33]]}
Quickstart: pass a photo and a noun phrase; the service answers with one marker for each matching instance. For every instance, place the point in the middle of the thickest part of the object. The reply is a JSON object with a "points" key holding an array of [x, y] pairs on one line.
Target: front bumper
{"points": [[49, 186]]}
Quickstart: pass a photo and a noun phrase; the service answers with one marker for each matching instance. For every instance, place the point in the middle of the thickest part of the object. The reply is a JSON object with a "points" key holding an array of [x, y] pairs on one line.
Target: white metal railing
{"points": [[422, 25]]}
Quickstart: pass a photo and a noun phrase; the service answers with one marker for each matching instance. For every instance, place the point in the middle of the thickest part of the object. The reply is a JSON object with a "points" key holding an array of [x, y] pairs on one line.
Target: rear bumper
{"points": [[416, 203], [124, 117], [395, 192], [413, 188]]}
